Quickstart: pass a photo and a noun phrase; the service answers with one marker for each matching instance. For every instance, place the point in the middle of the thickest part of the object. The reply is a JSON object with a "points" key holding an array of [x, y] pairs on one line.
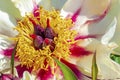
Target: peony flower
{"points": [[53, 39]]}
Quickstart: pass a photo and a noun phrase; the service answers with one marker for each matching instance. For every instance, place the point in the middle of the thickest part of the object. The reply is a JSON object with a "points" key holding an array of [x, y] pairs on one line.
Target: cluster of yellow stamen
{"points": [[43, 58]]}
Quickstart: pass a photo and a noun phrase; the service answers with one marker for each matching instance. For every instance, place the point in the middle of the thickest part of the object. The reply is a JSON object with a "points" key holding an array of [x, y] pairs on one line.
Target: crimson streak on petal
{"points": [[45, 74], [76, 71], [78, 51], [21, 69]]}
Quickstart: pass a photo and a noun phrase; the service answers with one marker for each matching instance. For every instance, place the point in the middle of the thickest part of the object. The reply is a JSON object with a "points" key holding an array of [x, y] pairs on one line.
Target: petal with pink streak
{"points": [[78, 51], [20, 69], [45, 74], [75, 69], [85, 10], [104, 63]]}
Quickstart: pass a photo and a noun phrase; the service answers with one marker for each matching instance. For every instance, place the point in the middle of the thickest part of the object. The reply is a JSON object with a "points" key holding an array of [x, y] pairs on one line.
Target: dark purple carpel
{"points": [[38, 41], [49, 33], [38, 30]]}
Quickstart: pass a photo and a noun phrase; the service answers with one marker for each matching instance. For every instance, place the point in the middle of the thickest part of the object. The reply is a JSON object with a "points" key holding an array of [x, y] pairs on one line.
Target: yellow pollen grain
{"points": [[43, 58]]}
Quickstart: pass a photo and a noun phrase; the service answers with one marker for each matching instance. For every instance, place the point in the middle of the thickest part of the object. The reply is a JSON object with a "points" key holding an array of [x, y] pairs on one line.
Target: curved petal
{"points": [[9, 15], [84, 9], [116, 12], [105, 64], [8, 6], [110, 33], [7, 23]]}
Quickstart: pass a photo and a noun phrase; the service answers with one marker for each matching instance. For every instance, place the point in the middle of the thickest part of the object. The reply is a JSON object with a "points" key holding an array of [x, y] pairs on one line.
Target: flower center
{"points": [[42, 36]]}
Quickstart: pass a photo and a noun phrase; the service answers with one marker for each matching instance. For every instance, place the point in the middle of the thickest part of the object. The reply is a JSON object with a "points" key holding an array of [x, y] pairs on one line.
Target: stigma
{"points": [[43, 35]]}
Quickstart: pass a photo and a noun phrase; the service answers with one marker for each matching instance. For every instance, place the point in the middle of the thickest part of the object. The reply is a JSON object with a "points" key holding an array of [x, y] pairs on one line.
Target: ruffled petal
{"points": [[4, 44], [105, 64], [4, 63]]}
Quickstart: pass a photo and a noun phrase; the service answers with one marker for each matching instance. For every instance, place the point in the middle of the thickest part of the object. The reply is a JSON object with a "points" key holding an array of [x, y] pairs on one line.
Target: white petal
{"points": [[7, 23], [116, 12], [90, 9], [7, 6], [24, 6], [5, 42], [110, 33], [58, 4], [49, 4], [107, 69], [4, 63], [28, 76]]}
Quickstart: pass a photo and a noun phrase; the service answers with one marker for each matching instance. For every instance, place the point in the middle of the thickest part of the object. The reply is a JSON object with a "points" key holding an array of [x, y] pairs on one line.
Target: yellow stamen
{"points": [[43, 58]]}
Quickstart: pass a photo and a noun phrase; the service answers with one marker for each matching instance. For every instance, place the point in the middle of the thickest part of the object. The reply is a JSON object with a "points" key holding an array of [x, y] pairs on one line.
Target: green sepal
{"points": [[94, 68], [12, 60], [67, 72]]}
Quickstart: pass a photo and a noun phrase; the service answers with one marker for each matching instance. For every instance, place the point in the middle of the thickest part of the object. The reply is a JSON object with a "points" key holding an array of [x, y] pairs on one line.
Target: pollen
{"points": [[42, 37]]}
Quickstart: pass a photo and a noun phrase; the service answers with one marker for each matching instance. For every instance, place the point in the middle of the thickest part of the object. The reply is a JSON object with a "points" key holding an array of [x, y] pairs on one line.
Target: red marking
{"points": [[48, 22], [22, 69], [75, 69], [33, 22], [47, 41], [75, 15], [86, 36], [78, 51], [33, 36], [45, 74], [98, 18], [36, 13], [36, 9]]}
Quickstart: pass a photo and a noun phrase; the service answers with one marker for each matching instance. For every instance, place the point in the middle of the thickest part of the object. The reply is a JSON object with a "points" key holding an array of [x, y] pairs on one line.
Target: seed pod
{"points": [[49, 33], [38, 30], [38, 41]]}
